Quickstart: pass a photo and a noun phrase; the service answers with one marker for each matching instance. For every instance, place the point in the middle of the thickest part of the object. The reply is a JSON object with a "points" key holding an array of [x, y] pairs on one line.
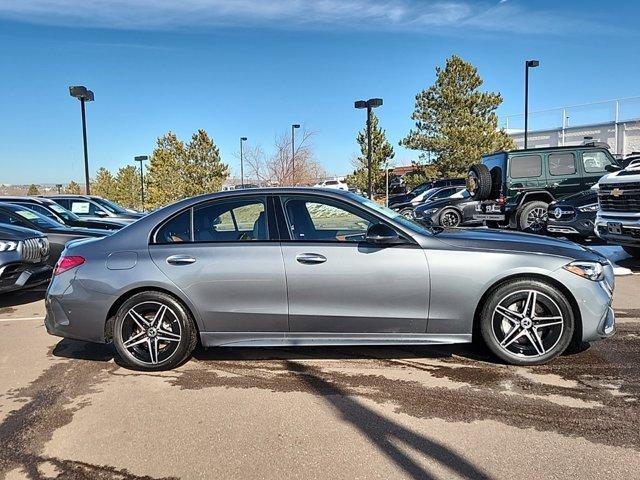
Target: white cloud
{"points": [[399, 15]]}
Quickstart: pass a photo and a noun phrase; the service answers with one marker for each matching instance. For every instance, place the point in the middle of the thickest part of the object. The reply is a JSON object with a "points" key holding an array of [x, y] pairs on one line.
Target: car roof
{"points": [[542, 149], [25, 198]]}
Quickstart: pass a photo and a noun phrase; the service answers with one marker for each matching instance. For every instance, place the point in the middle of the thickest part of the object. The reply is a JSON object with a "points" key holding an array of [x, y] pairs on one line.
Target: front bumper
{"points": [[17, 276], [618, 230], [576, 226]]}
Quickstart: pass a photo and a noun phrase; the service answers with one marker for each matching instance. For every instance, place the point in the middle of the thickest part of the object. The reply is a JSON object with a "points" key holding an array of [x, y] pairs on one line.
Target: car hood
{"points": [[15, 233], [488, 239]]}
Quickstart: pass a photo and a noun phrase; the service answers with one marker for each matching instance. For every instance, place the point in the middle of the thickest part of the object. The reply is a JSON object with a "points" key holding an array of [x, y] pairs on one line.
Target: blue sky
{"points": [[253, 67]]}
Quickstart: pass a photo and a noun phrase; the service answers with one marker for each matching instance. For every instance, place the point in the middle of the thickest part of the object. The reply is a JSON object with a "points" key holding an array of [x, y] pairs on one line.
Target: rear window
{"points": [[562, 164], [525, 166]]}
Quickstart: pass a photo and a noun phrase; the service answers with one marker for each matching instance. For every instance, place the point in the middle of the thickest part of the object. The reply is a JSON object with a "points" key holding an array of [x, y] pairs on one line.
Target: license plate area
{"points": [[614, 228]]}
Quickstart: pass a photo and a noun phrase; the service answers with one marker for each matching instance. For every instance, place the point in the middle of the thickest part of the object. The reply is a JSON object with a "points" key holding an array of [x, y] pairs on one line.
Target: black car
{"points": [[91, 206], [57, 212], [455, 211], [436, 193], [574, 215], [406, 198], [58, 234], [23, 258]]}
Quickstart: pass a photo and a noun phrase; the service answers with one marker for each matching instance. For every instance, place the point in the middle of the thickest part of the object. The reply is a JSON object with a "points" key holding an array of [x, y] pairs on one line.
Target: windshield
{"points": [[63, 212], [420, 188], [110, 206], [34, 217]]}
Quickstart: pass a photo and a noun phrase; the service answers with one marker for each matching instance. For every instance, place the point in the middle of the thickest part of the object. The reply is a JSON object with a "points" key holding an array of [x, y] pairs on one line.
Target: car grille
{"points": [[35, 249], [621, 197], [561, 213]]}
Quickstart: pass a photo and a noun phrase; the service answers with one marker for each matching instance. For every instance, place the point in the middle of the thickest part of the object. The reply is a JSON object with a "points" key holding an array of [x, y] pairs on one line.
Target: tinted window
{"points": [[64, 202], [526, 166], [562, 164], [320, 220], [231, 221], [595, 162], [176, 230], [38, 208]]}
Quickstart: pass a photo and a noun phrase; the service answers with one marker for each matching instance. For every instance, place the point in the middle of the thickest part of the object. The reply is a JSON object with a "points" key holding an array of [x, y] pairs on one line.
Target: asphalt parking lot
{"points": [[68, 410]]}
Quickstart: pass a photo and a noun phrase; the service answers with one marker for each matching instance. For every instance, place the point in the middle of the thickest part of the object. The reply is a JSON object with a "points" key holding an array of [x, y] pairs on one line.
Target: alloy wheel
{"points": [[537, 219], [527, 323], [151, 332], [449, 219]]}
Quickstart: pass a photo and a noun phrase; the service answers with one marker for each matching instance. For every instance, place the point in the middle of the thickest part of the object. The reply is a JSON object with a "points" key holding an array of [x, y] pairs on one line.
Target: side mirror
{"points": [[101, 213], [612, 168], [381, 234]]}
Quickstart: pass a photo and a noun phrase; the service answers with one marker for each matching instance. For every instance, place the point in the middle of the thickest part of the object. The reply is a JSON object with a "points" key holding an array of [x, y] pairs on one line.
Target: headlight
{"points": [[589, 270], [589, 208], [429, 212], [8, 246]]}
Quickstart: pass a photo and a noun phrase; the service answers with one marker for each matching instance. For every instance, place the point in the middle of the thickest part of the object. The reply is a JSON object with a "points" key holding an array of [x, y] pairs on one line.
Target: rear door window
{"points": [[525, 166], [562, 164]]}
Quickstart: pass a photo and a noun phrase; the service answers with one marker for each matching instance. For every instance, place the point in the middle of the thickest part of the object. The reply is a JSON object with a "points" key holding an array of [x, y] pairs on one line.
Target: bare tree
{"points": [[301, 169]]}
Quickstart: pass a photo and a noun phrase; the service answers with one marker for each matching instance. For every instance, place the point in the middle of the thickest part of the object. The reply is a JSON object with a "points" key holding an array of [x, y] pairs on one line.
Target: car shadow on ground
{"points": [[22, 297], [78, 350]]}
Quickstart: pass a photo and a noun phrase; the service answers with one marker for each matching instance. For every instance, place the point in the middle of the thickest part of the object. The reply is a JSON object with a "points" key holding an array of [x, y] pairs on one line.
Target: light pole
{"points": [[293, 152], [527, 65], [59, 187], [84, 95], [242, 139], [369, 105], [141, 158]]}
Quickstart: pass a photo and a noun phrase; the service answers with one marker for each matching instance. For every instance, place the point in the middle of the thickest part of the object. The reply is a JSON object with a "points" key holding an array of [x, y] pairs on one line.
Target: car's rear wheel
{"points": [[527, 322], [450, 218], [533, 217], [153, 331], [633, 251]]}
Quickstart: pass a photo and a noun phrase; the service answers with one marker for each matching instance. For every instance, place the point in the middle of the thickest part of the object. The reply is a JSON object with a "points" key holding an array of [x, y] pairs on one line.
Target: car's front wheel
{"points": [[153, 331], [527, 322], [407, 213], [450, 218]]}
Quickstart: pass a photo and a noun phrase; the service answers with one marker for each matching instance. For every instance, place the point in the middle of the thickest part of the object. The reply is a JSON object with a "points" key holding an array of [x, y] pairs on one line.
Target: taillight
{"points": [[67, 263]]}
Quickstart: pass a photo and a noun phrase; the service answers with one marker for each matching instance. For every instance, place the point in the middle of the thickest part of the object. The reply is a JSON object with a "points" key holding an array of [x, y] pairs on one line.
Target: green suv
{"points": [[515, 188]]}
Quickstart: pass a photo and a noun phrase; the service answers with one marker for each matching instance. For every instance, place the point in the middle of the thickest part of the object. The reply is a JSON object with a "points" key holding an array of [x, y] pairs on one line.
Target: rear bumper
{"points": [[16, 276]]}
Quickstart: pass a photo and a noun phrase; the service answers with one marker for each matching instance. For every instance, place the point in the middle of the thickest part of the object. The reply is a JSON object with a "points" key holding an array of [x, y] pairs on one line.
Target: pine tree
{"points": [[72, 188], [33, 190], [455, 121], [178, 171], [104, 184], [127, 187], [381, 153]]}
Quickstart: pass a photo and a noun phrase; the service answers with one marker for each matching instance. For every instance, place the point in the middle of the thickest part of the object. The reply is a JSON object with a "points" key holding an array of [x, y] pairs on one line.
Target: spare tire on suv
{"points": [[479, 182]]}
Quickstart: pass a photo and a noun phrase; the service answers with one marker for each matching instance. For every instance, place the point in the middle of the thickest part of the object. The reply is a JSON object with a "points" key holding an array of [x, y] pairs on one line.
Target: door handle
{"points": [[180, 260], [311, 258]]}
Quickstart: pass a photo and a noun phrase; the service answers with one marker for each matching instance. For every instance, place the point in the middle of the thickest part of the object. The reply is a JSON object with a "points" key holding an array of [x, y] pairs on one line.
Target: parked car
{"points": [[92, 207], [294, 266], [436, 193], [574, 215], [23, 258], [618, 216], [58, 234], [405, 198], [517, 187], [458, 210], [57, 212], [337, 184]]}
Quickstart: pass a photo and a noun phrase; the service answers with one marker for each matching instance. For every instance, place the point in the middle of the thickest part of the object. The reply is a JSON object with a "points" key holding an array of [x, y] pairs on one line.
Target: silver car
{"points": [[295, 267]]}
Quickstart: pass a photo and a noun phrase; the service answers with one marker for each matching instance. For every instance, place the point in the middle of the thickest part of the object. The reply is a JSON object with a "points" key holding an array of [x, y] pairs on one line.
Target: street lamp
{"points": [[369, 105], [527, 65], [293, 152], [141, 158], [84, 95], [59, 187], [242, 139]]}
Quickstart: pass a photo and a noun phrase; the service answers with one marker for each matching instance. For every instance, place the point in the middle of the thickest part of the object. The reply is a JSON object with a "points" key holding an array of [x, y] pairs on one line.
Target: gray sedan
{"points": [[297, 267]]}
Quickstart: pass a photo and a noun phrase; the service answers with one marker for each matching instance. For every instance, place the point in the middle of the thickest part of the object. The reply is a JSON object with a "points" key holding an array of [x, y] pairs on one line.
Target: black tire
{"points": [[479, 181], [176, 321], [407, 212], [533, 217], [505, 338], [450, 217], [633, 251], [492, 224]]}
